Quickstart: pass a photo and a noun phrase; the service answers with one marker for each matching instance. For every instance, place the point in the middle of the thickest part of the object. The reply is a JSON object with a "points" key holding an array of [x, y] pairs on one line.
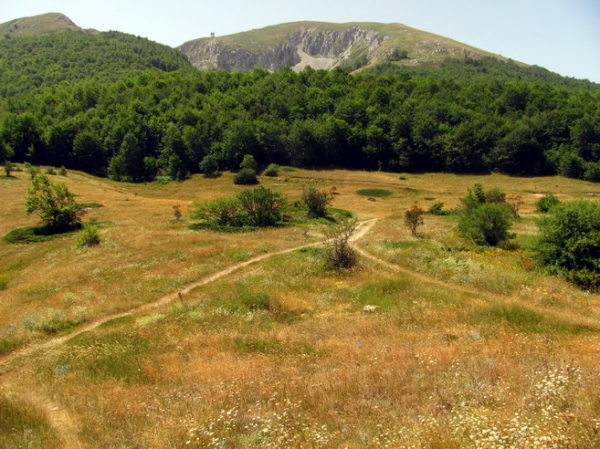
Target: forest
{"points": [[117, 105]]}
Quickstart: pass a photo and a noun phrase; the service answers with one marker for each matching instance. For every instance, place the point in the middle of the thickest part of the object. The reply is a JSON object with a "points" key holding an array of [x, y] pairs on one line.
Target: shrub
{"points": [[262, 206], [177, 212], [88, 236], [249, 162], [485, 217], [569, 242], [272, 170], [3, 284], [546, 203], [515, 202], [258, 207], [54, 204], [50, 171], [316, 201], [413, 218], [437, 208], [222, 211], [340, 254], [8, 167], [62, 171], [246, 176]]}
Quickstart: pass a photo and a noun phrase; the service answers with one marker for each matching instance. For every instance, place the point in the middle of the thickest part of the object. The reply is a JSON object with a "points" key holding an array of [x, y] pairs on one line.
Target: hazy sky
{"points": [[560, 35]]}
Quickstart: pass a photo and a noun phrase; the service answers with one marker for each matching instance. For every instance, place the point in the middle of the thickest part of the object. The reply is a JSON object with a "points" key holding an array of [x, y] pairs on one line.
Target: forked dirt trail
{"points": [[361, 229]]}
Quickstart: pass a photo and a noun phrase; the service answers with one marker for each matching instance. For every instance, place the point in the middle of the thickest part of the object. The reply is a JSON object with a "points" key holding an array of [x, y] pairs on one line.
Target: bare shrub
{"points": [[340, 254]]}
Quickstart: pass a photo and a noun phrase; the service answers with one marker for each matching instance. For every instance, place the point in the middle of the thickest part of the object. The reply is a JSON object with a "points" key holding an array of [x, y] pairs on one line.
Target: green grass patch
{"points": [[385, 294], [288, 169], [375, 193], [117, 355], [525, 320], [3, 283], [21, 425]]}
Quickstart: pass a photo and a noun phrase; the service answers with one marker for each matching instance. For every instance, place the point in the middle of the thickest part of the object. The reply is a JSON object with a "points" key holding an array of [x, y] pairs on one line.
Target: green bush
{"points": [[246, 176], [253, 208], [222, 211], [272, 170], [3, 284], [437, 208], [485, 217], [262, 206], [546, 203], [569, 242], [88, 236]]}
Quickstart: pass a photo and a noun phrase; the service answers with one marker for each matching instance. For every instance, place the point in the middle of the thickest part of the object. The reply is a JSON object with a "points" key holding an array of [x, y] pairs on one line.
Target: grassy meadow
{"points": [[465, 347]]}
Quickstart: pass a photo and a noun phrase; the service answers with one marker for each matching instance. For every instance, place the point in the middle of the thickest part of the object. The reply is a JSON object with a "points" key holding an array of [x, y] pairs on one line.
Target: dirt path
{"points": [[361, 230], [485, 295]]}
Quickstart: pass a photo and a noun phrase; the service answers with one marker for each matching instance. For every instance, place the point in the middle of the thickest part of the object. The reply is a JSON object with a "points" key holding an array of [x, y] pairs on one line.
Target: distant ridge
{"points": [[39, 26], [325, 46]]}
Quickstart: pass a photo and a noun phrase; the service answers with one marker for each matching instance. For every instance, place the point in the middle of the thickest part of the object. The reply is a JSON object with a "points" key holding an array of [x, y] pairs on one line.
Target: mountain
{"points": [[39, 26], [325, 46]]}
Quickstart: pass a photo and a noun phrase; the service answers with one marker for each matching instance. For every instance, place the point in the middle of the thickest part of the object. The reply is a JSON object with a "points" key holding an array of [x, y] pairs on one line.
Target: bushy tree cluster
{"points": [[569, 242]]}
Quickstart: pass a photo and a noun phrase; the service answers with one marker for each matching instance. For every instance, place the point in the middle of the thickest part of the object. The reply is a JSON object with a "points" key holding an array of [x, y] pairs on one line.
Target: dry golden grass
{"points": [[465, 349]]}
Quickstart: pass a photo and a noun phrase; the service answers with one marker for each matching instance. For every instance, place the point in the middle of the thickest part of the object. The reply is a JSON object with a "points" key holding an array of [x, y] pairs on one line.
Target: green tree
{"points": [[569, 242], [88, 153], [249, 162], [54, 204], [209, 165]]}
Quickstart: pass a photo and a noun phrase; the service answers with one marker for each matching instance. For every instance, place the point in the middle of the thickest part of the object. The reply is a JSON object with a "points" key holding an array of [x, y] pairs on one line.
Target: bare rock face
{"points": [[331, 48]]}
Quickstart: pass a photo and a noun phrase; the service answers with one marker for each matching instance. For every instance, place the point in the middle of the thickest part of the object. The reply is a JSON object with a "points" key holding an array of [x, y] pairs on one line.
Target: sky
{"points": [[562, 36]]}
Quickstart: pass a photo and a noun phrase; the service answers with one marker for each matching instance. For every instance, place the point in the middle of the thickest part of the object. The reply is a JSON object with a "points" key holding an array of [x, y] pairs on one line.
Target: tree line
{"points": [[165, 120]]}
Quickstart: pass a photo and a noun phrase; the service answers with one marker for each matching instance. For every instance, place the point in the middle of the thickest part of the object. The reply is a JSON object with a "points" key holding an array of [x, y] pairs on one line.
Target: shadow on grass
{"points": [[35, 234]]}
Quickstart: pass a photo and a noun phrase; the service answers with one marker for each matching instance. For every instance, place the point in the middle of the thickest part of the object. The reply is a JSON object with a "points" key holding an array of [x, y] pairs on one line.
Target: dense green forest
{"points": [[120, 106]]}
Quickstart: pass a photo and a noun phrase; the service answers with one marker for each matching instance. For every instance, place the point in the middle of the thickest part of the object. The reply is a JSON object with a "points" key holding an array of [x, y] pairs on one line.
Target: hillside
{"points": [[324, 46], [38, 26], [43, 51]]}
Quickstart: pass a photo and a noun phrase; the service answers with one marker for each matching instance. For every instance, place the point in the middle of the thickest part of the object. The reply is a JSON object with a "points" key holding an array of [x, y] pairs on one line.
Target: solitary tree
{"points": [[54, 204], [413, 218]]}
